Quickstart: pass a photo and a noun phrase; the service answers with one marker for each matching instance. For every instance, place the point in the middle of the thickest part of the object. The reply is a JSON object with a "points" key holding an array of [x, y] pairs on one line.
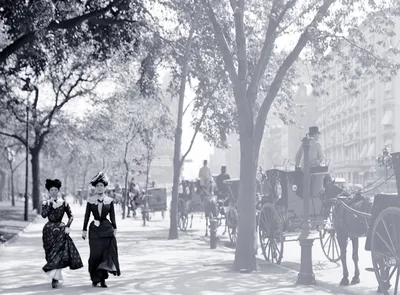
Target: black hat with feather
{"points": [[100, 177], [53, 183]]}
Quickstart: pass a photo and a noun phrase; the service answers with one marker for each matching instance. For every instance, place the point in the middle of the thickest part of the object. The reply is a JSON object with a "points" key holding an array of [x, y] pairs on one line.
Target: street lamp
{"points": [[27, 87], [306, 275], [385, 160], [10, 158]]}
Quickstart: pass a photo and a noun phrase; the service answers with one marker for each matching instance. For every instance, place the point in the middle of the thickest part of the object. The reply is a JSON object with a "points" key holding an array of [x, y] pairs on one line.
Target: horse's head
{"points": [[331, 190]]}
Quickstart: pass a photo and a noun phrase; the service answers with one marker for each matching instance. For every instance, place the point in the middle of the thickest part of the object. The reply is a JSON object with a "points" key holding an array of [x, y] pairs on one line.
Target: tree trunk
{"points": [[36, 200], [3, 182], [12, 189], [73, 184], [85, 172], [65, 183], [173, 226], [246, 245]]}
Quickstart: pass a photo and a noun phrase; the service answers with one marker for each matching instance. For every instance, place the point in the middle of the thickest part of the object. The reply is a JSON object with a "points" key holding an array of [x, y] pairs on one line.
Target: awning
{"points": [[333, 136], [364, 151], [354, 103], [355, 128], [370, 96], [388, 118], [371, 150], [349, 128]]}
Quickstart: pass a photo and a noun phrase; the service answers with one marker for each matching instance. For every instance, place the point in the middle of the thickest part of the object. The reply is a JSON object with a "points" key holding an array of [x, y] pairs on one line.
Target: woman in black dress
{"points": [[103, 245], [58, 246]]}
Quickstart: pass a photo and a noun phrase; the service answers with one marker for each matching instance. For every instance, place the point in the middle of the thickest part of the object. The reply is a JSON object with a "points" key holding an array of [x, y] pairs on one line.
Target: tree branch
{"points": [[223, 45], [53, 26], [22, 140], [284, 68], [268, 46], [196, 131], [19, 164], [238, 15]]}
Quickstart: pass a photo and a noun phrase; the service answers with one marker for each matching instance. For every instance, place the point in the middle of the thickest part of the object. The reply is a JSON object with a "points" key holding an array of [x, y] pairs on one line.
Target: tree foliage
{"points": [[259, 44]]}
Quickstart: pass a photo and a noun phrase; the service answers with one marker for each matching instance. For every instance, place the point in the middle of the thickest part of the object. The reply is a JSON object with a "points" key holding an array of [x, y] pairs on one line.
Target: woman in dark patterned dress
{"points": [[58, 246], [102, 242]]}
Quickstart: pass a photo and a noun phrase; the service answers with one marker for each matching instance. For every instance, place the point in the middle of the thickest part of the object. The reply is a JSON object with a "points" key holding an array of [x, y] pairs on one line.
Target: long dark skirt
{"points": [[59, 248], [103, 257]]}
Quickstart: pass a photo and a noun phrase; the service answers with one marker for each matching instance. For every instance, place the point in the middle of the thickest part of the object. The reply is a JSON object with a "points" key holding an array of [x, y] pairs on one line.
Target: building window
{"points": [[373, 121], [388, 94], [365, 123]]}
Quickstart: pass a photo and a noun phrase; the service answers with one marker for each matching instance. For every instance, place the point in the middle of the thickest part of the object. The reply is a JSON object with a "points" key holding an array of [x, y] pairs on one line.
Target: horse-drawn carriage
{"points": [[280, 215], [192, 198], [157, 200], [357, 216]]}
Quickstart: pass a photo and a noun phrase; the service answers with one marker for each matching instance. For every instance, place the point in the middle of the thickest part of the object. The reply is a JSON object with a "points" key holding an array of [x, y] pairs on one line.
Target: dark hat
{"points": [[313, 130], [99, 177], [53, 183]]}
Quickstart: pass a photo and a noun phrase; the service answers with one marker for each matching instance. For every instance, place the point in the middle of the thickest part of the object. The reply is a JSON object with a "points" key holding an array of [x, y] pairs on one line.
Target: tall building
{"points": [[357, 128], [274, 146], [306, 116]]}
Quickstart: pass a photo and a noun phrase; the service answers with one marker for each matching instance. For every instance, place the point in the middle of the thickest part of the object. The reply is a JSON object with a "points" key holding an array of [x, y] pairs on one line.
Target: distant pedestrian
{"points": [[205, 177], [58, 246], [103, 257]]}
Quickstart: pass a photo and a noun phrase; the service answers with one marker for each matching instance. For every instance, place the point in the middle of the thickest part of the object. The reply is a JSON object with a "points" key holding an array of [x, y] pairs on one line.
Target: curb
{"points": [[14, 238]]}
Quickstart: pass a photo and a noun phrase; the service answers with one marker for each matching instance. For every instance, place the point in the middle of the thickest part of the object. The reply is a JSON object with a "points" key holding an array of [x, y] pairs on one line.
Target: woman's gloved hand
{"points": [[84, 234], [67, 230]]}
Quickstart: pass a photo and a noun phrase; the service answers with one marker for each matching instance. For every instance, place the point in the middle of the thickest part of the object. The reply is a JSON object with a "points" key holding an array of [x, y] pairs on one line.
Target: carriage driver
{"points": [[316, 157], [316, 154], [221, 186], [205, 177]]}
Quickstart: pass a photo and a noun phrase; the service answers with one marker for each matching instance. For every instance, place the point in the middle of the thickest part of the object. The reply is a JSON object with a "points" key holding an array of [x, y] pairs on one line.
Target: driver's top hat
{"points": [[313, 130]]}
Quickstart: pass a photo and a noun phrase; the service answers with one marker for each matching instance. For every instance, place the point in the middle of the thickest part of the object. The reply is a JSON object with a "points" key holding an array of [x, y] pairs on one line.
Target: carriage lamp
{"points": [[294, 188], [384, 159]]}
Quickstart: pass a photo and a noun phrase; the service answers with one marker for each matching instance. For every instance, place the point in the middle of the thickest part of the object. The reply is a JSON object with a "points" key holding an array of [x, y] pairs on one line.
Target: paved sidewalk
{"points": [[150, 264]]}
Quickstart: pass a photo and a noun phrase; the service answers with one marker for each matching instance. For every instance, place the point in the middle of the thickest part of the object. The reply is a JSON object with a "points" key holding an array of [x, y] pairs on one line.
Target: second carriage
{"points": [[280, 212]]}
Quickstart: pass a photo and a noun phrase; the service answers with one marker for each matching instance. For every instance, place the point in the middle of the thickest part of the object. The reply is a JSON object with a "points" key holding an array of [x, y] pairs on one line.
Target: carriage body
{"points": [[285, 194], [157, 199]]}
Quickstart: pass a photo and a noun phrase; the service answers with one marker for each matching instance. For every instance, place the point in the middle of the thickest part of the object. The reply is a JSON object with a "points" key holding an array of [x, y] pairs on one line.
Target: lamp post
{"points": [[10, 158], [385, 160], [27, 88], [306, 275]]}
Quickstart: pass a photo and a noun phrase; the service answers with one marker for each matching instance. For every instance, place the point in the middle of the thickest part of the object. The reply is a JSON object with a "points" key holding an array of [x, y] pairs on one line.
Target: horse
{"points": [[347, 223], [208, 202]]}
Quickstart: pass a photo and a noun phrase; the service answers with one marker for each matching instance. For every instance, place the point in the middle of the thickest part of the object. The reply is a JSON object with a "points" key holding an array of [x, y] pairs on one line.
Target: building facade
{"points": [[357, 127]]}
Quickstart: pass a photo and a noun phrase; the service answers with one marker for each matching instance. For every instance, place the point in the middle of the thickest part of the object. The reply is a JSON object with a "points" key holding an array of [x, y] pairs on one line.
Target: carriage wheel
{"points": [[328, 239], [183, 216], [270, 234], [231, 222], [385, 249]]}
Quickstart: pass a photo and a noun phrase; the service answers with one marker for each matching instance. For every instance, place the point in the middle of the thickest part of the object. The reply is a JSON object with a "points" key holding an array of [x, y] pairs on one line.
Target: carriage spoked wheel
{"points": [[328, 239], [231, 220], [385, 250], [183, 216], [270, 234]]}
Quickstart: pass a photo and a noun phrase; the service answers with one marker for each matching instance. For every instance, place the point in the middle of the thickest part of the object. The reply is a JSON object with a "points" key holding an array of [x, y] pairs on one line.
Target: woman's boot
{"points": [[54, 283], [103, 284]]}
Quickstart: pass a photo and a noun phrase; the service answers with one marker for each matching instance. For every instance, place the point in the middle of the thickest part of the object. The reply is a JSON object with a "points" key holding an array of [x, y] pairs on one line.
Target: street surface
{"points": [[151, 264]]}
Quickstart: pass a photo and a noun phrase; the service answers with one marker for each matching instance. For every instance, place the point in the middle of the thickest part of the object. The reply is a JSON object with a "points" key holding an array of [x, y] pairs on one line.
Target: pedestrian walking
{"points": [[103, 257], [58, 246]]}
